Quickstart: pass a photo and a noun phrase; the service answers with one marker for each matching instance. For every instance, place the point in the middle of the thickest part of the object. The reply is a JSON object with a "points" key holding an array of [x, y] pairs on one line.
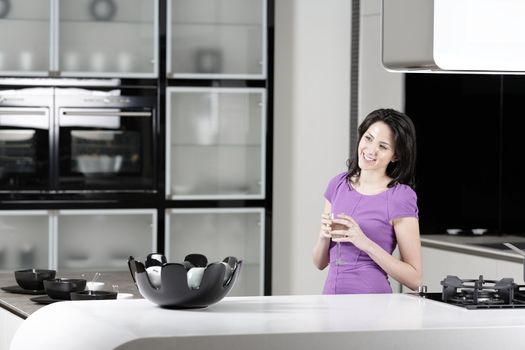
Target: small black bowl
{"points": [[93, 295], [174, 292], [61, 288], [33, 279]]}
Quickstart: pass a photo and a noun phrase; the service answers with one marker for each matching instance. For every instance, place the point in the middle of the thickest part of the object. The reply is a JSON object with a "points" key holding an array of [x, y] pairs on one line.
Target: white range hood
{"points": [[467, 36]]}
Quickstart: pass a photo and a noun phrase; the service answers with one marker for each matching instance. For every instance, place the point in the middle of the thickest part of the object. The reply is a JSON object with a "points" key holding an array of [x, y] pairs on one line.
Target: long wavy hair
{"points": [[402, 171]]}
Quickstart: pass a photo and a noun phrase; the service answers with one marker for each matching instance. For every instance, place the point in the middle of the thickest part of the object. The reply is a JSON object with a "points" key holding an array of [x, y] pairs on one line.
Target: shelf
{"points": [[215, 145], [216, 24]]}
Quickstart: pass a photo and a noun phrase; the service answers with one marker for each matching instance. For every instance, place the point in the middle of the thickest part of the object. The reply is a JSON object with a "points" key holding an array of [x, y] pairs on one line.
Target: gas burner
{"points": [[474, 292]]}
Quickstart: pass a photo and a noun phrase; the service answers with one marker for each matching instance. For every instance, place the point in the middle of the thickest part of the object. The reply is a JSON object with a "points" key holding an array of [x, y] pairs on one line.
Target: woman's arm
{"points": [[407, 270], [320, 252]]}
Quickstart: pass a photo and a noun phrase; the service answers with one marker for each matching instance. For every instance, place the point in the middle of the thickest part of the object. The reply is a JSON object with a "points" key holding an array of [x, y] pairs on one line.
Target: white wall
{"points": [[311, 117], [378, 88]]}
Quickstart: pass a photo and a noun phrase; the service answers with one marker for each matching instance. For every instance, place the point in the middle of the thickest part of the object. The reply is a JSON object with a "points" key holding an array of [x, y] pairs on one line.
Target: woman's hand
{"points": [[326, 226], [346, 229]]}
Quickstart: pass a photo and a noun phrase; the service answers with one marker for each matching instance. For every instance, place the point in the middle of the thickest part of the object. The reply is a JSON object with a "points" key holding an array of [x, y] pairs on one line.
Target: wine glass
{"points": [[338, 259]]}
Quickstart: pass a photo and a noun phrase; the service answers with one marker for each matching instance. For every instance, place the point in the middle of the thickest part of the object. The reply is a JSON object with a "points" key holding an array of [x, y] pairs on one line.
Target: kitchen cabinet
{"points": [[30, 52], [217, 39], [456, 117], [211, 129], [218, 151], [80, 38], [75, 240], [215, 143], [103, 239], [219, 233], [512, 170], [25, 239]]}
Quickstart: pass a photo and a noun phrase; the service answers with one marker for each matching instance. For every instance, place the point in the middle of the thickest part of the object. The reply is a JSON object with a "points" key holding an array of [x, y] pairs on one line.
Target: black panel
{"points": [[457, 122], [512, 155]]}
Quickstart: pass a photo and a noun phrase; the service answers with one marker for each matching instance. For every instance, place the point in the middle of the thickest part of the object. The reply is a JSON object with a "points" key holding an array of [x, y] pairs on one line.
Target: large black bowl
{"points": [[33, 279], [174, 291], [61, 288]]}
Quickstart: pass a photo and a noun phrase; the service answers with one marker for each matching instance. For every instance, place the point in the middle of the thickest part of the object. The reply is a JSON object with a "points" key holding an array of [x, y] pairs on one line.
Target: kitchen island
{"points": [[15, 308], [395, 321]]}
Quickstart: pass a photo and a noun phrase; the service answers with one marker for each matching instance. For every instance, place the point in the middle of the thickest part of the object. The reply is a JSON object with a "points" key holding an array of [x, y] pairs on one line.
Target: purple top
{"points": [[355, 271]]}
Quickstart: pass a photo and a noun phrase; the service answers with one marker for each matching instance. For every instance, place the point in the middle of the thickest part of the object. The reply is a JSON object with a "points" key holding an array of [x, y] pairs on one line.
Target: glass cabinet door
{"points": [[108, 38], [218, 233], [215, 143], [104, 239], [25, 37], [24, 240], [211, 38]]}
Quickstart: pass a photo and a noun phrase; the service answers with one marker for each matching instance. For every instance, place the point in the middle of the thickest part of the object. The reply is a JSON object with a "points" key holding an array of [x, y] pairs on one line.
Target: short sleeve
{"points": [[402, 203], [333, 185]]}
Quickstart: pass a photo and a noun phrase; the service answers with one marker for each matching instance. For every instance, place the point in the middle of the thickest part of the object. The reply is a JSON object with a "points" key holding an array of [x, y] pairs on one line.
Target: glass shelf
{"points": [[103, 239], [216, 143], [218, 233], [212, 39]]}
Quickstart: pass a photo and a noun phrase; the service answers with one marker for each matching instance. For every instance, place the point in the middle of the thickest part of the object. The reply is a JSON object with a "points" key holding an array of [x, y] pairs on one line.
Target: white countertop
{"points": [[367, 321]]}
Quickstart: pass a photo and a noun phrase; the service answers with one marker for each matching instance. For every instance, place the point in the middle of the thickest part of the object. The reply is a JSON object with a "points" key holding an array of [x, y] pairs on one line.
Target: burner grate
{"points": [[483, 294]]}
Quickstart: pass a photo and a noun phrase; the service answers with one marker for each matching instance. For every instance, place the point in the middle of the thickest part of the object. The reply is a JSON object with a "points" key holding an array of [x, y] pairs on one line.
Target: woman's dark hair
{"points": [[401, 171]]}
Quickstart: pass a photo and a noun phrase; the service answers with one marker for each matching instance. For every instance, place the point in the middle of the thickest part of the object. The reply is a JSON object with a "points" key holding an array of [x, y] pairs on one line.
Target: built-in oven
{"points": [[105, 140], [56, 140], [25, 139]]}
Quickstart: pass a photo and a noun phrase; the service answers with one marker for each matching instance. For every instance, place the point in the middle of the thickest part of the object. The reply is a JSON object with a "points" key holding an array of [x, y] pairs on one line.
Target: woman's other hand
{"points": [[346, 229]]}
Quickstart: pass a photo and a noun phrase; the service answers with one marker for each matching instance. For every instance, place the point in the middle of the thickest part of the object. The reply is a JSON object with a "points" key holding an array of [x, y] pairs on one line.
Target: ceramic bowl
{"points": [[174, 292], [93, 295], [61, 288], [33, 279]]}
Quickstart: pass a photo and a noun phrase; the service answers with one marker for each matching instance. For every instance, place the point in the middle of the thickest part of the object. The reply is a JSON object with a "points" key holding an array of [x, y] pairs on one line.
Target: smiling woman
{"points": [[371, 207]]}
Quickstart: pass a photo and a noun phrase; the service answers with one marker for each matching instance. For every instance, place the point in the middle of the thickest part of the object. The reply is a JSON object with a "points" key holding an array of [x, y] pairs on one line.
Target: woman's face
{"points": [[376, 147]]}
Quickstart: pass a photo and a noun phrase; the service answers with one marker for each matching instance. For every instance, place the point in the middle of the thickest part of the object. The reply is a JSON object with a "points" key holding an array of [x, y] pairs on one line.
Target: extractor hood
{"points": [[464, 36]]}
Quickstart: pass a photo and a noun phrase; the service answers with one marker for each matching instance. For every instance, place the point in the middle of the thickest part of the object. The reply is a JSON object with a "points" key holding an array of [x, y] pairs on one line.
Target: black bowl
{"points": [[61, 288], [33, 279], [174, 291], [93, 295]]}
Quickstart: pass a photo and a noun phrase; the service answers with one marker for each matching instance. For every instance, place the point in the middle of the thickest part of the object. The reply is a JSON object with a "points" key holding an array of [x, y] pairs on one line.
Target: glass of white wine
{"points": [[338, 259]]}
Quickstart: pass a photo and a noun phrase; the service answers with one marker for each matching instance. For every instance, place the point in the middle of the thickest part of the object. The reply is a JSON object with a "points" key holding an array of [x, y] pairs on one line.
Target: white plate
{"points": [[124, 296]]}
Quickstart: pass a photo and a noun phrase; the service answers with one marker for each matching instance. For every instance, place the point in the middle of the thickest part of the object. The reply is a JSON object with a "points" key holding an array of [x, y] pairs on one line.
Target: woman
{"points": [[370, 208]]}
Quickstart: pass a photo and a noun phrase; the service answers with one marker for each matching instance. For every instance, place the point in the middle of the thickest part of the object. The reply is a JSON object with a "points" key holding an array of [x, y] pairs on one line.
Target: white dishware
{"points": [[453, 231], [478, 231], [124, 296], [94, 286], [98, 62], [194, 276], [71, 61], [26, 60], [154, 275], [124, 62]]}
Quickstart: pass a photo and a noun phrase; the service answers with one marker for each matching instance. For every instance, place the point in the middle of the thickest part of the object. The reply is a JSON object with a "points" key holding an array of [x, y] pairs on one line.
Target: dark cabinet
{"points": [[513, 169], [458, 125]]}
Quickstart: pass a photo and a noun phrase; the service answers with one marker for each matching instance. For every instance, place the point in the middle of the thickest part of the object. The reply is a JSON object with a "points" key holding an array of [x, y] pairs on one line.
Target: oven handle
{"points": [[29, 113], [108, 114]]}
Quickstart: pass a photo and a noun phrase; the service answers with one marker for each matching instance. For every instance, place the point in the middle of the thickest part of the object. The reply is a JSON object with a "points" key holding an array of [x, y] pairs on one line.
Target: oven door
{"points": [[24, 149], [105, 149]]}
